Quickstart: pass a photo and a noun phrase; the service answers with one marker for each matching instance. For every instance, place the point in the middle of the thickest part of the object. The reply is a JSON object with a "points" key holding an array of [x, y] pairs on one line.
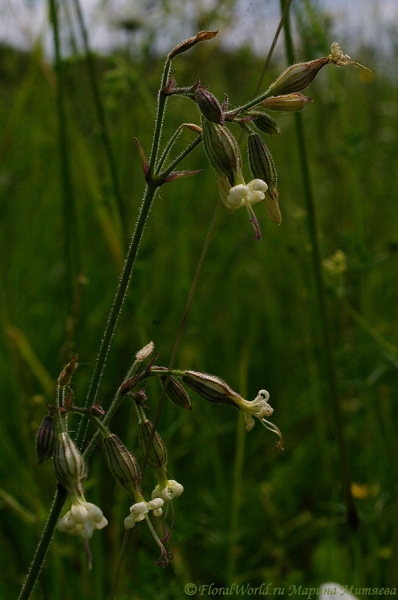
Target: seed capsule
{"points": [[287, 103], [210, 388], [222, 150], [297, 77], [69, 466], [157, 456], [45, 439], [122, 464]]}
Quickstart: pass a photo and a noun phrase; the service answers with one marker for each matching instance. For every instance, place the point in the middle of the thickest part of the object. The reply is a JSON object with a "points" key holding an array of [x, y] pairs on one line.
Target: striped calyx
{"points": [[222, 150], [122, 464], [69, 466]]}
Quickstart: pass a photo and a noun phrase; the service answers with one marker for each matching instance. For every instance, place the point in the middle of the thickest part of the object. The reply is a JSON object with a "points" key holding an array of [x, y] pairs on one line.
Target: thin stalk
{"points": [[352, 517], [132, 251], [180, 332], [41, 551], [72, 250], [106, 140]]}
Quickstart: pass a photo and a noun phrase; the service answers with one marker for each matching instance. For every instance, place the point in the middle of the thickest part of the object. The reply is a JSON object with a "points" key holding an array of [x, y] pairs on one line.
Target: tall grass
{"points": [[252, 321]]}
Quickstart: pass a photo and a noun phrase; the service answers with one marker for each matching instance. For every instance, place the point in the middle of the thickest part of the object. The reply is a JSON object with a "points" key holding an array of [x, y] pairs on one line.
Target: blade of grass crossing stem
{"points": [[352, 517]]}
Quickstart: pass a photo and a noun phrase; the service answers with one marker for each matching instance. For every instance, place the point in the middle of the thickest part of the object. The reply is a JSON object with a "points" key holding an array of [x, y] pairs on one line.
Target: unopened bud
{"points": [[67, 372], [222, 150], [145, 352], [287, 103], [297, 77], [265, 123], [122, 464], [210, 388], [263, 167], [157, 455], [69, 465], [45, 439], [176, 393], [202, 36], [208, 104]]}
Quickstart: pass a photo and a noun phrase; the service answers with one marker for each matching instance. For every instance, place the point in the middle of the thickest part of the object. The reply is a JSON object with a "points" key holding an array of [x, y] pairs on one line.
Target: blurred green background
{"points": [[249, 514]]}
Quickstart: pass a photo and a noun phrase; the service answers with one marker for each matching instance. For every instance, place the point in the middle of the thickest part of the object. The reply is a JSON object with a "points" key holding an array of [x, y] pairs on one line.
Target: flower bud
{"points": [[122, 464], [176, 392], [45, 439], [67, 372], [263, 167], [297, 77], [265, 123], [287, 103], [208, 104], [157, 456], [145, 352], [69, 465], [210, 388], [222, 150]]}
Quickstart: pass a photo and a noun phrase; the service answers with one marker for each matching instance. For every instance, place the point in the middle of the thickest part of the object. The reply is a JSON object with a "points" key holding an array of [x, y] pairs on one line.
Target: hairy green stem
{"points": [[352, 517], [41, 551]]}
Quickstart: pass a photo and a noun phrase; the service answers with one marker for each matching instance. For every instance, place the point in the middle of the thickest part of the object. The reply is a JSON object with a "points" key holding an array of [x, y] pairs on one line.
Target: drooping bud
{"points": [[208, 104], [297, 77], [222, 150], [287, 103], [263, 167], [69, 465], [157, 455], [45, 439], [67, 372], [265, 123], [176, 392], [202, 36], [122, 465], [210, 388]]}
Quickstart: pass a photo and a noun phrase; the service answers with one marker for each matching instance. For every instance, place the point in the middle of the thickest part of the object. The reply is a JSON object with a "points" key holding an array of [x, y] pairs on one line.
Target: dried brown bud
{"points": [[202, 36], [67, 372]]}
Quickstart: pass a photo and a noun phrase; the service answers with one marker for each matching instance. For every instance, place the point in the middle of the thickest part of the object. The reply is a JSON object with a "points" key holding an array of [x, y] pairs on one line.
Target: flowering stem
{"points": [[41, 550], [352, 517]]}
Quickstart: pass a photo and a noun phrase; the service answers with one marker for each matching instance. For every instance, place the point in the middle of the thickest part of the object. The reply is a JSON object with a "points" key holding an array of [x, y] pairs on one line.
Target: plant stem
{"points": [[72, 251], [352, 517], [102, 122], [41, 551]]}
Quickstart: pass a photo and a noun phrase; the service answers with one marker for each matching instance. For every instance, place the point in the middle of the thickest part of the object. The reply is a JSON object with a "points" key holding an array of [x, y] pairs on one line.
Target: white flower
{"points": [[82, 518], [171, 489], [139, 510], [246, 195], [260, 408], [242, 195]]}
